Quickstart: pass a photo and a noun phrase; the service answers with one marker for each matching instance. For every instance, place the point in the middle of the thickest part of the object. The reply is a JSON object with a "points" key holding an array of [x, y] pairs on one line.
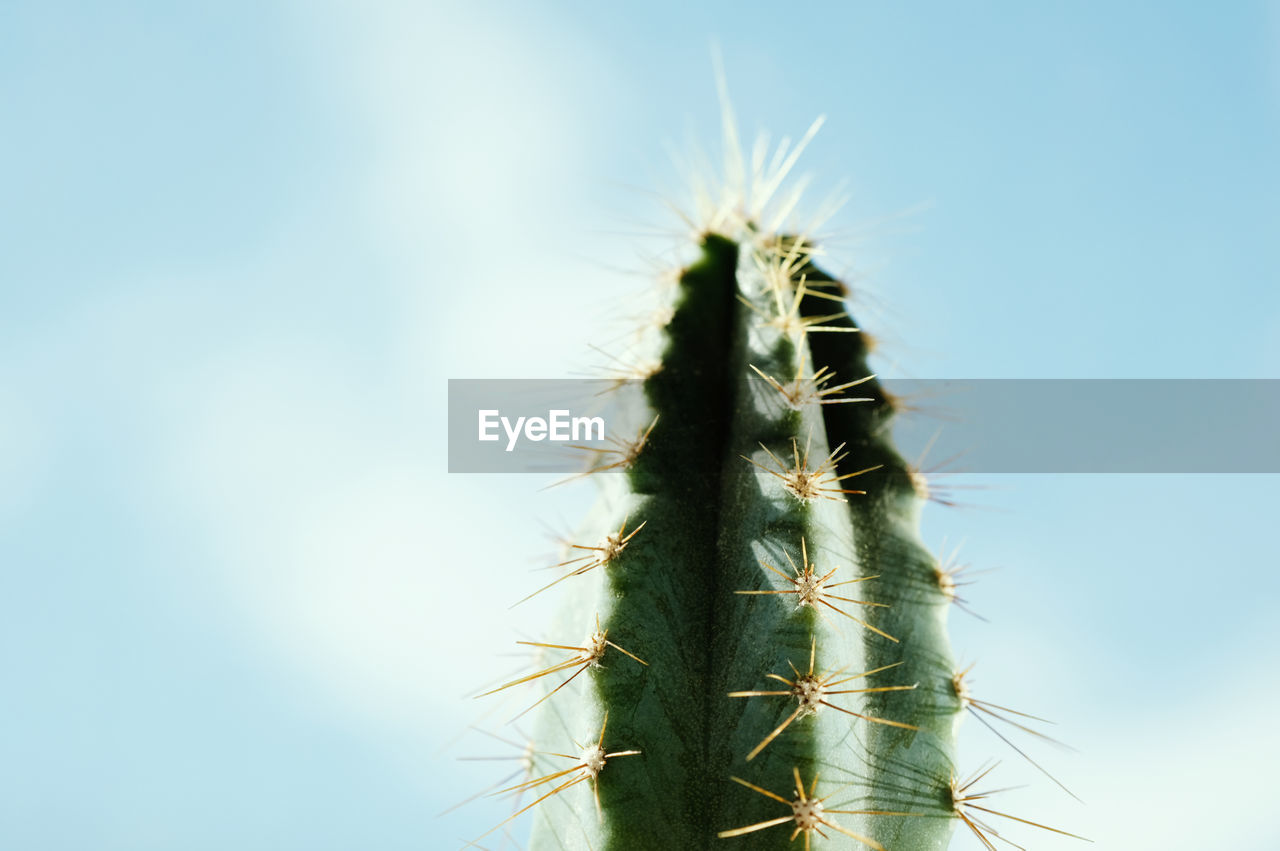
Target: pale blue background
{"points": [[241, 603]]}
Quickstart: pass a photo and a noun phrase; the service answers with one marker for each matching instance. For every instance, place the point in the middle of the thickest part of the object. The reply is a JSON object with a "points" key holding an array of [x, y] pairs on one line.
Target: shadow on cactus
{"points": [[755, 549]]}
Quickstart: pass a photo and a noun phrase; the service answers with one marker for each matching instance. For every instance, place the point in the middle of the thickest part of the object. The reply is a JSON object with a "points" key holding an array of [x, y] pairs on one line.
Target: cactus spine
{"points": [[755, 553]]}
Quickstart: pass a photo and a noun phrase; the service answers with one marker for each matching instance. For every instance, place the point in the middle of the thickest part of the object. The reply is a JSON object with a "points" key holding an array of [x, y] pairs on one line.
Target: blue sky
{"points": [[241, 602]]}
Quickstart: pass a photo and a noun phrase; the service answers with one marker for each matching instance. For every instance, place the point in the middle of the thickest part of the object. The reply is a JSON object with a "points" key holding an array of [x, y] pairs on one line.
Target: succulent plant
{"points": [[751, 647]]}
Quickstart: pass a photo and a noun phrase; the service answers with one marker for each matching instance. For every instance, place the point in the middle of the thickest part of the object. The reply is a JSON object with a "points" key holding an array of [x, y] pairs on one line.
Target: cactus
{"points": [[765, 654]]}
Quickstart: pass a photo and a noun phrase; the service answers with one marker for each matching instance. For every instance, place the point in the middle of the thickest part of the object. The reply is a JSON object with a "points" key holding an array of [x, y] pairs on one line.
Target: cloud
{"points": [[23, 447], [1188, 768], [335, 531], [474, 174], [1195, 774]]}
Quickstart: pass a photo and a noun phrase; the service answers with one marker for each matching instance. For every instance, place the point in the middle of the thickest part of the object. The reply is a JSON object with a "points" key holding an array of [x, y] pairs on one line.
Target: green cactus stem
{"points": [[755, 553]]}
